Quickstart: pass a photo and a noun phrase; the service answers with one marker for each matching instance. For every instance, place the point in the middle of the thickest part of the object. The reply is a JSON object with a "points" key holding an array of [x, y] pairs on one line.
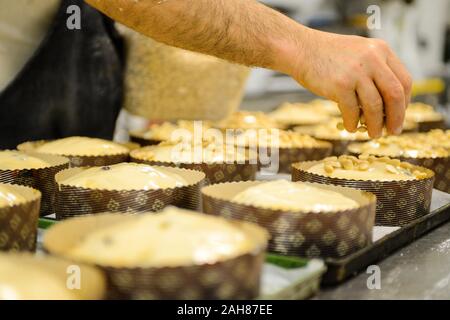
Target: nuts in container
{"points": [[167, 83]]}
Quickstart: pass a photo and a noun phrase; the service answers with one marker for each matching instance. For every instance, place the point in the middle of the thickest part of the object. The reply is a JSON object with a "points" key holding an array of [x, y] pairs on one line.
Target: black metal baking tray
{"points": [[338, 270]]}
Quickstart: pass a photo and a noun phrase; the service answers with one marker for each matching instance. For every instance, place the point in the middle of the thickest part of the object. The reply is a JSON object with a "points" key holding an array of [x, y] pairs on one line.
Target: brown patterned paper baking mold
{"points": [[288, 156], [80, 161], [305, 234], [236, 278], [439, 165], [292, 126], [398, 202], [340, 146], [42, 179], [138, 137], [19, 223], [441, 168], [411, 128], [215, 172], [426, 126], [75, 201]]}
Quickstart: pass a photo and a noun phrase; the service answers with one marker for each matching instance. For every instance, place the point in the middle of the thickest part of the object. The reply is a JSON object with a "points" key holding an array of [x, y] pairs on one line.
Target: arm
{"points": [[350, 70]]}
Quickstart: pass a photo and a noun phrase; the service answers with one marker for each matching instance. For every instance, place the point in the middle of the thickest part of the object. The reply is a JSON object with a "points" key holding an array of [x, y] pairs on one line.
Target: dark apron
{"points": [[71, 86]]}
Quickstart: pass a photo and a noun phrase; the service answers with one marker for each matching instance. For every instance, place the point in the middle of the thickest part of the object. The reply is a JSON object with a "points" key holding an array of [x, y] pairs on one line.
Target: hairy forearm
{"points": [[242, 31], [353, 71]]}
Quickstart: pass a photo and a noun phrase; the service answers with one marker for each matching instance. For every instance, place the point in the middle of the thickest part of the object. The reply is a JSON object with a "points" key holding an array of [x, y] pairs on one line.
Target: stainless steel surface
{"points": [[418, 271]]}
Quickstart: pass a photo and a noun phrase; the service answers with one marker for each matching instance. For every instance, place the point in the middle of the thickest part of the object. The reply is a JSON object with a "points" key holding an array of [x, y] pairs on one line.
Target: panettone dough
{"points": [[26, 282], [295, 196], [330, 131], [278, 139], [327, 106], [171, 238], [30, 277], [189, 152], [368, 169], [82, 146], [248, 120], [408, 146], [126, 176], [299, 113], [16, 160], [420, 112], [165, 130]]}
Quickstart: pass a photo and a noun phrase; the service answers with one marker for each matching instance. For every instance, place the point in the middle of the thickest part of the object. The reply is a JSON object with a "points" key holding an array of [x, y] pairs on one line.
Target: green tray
{"points": [[45, 223]]}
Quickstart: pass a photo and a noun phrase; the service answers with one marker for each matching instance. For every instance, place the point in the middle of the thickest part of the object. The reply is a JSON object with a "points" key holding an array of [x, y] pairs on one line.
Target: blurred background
{"points": [[418, 31]]}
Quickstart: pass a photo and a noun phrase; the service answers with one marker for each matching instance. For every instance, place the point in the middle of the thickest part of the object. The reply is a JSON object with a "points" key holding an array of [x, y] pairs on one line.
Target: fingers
{"points": [[393, 96], [372, 105], [348, 104], [402, 75]]}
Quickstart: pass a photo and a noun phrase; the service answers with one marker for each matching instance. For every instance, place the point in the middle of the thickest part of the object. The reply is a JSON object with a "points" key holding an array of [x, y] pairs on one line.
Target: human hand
{"points": [[358, 73]]}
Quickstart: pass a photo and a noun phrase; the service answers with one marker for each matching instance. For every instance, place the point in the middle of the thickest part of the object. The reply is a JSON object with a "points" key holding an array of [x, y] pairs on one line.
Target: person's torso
{"points": [[63, 82], [23, 26]]}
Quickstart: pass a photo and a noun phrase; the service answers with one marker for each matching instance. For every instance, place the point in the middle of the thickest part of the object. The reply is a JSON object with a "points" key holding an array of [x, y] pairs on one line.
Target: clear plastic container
{"points": [[167, 83]]}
